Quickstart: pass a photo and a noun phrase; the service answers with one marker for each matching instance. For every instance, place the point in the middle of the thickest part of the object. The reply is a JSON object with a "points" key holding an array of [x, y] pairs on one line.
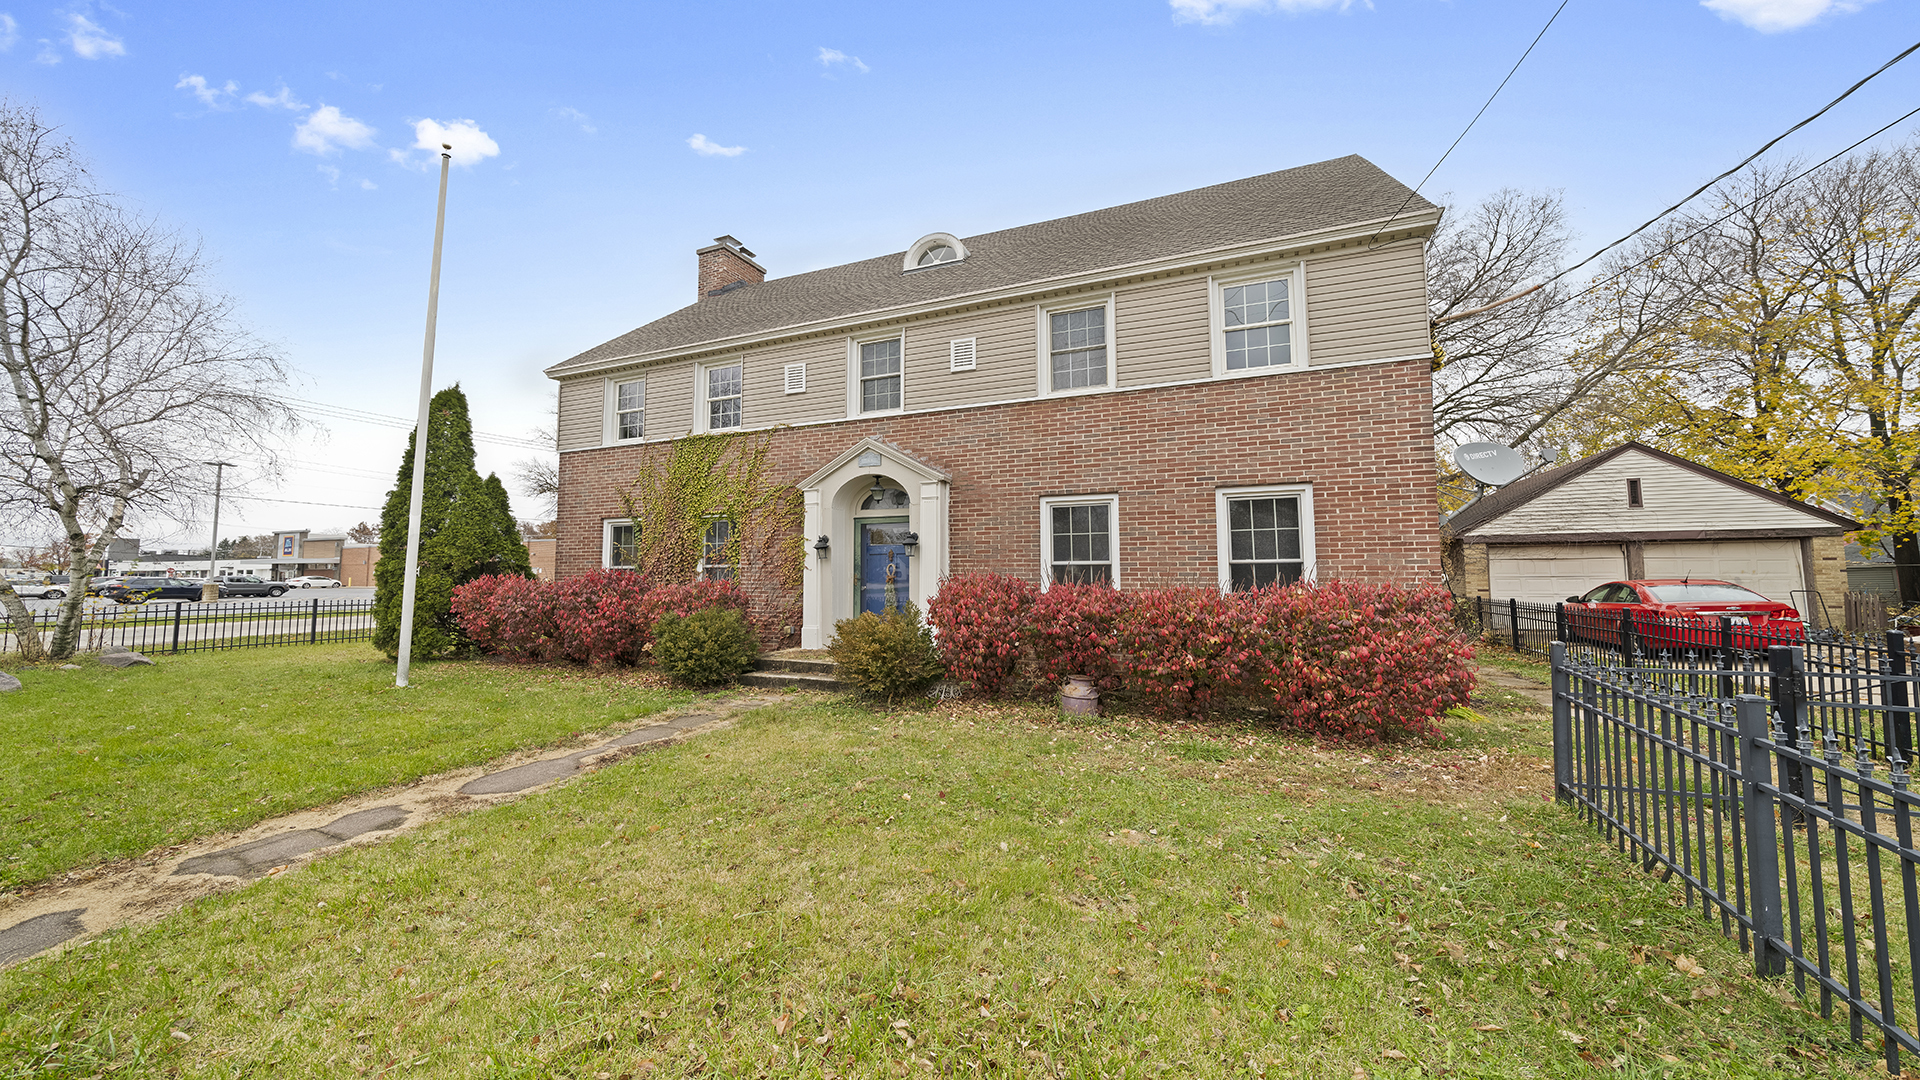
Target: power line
{"points": [[1476, 119], [364, 416], [297, 502], [1748, 160]]}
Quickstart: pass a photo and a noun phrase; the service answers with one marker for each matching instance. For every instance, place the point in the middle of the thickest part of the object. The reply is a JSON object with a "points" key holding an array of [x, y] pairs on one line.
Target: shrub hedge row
{"points": [[1346, 660], [601, 617]]}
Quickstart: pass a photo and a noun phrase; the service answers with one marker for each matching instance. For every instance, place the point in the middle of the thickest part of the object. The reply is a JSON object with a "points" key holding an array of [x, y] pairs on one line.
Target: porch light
{"points": [[877, 492], [820, 546], [911, 541]]}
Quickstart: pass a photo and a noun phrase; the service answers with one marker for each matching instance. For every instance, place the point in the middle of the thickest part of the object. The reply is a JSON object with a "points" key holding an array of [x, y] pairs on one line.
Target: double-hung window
{"points": [[619, 545], [1257, 327], [724, 390], [629, 409], [1266, 536], [1077, 348], [1078, 540], [880, 375], [715, 544]]}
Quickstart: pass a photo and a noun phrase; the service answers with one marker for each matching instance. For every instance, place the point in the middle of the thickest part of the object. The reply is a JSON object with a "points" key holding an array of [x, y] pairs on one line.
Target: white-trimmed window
{"points": [[1076, 347], [1079, 540], [714, 545], [619, 544], [1265, 536], [880, 376], [1257, 323], [626, 409], [722, 393]]}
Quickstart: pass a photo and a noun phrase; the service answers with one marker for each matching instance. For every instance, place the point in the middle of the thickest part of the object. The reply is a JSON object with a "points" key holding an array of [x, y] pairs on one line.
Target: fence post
{"points": [[176, 628], [1893, 694], [1627, 647], [313, 630], [1788, 666], [1560, 622], [1726, 655], [1513, 621], [1763, 839], [1562, 723]]}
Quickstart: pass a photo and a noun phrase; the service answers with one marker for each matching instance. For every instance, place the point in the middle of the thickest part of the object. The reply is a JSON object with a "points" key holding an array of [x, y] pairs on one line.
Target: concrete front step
{"points": [[792, 680]]}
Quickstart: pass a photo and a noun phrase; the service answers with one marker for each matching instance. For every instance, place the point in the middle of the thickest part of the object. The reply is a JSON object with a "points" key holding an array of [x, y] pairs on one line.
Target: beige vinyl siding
{"points": [[1160, 332], [1676, 499], [1364, 305], [1003, 369], [769, 405], [670, 401], [582, 413]]}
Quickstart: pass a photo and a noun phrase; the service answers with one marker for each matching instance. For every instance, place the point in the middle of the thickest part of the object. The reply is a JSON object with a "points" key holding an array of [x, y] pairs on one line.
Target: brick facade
{"points": [[1362, 436]]}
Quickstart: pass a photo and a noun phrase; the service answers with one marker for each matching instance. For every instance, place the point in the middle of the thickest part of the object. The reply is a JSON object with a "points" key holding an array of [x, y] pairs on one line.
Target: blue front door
{"points": [[883, 565]]}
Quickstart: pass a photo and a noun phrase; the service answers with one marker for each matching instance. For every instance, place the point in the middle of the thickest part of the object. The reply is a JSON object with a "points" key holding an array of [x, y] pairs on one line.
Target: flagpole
{"points": [[420, 433]]}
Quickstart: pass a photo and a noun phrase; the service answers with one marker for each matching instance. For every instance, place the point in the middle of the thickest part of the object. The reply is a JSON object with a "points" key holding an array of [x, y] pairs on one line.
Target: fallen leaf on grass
{"points": [[1279, 921], [1688, 966], [1488, 1027], [1573, 1037], [781, 1024], [1396, 1055], [1283, 943]]}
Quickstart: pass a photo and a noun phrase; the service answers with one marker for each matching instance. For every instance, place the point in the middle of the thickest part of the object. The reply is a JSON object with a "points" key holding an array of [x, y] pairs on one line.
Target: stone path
{"points": [[1538, 692], [92, 901]]}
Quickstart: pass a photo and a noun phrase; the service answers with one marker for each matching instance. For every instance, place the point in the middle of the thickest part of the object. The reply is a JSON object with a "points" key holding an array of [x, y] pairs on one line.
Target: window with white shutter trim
{"points": [[796, 378], [960, 354]]}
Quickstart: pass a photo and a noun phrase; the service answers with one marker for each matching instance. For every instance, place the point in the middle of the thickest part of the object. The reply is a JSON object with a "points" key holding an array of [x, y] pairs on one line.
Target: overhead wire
{"points": [[1415, 191], [1650, 222], [366, 416]]}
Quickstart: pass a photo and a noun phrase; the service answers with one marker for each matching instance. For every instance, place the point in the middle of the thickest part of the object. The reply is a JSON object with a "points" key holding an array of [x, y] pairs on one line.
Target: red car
{"points": [[1682, 613]]}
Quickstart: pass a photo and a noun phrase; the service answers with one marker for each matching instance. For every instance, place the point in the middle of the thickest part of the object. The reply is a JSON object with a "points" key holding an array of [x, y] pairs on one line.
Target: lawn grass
{"points": [[102, 763], [826, 890]]}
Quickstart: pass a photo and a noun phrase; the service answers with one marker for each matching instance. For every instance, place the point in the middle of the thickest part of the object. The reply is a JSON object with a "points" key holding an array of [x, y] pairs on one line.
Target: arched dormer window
{"points": [[934, 249]]}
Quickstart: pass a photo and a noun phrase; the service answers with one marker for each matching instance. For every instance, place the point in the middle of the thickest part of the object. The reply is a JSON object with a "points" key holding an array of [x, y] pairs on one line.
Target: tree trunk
{"points": [[25, 629]]}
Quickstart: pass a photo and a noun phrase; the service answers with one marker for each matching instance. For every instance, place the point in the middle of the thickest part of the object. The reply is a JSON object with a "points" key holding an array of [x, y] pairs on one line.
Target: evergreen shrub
{"points": [[706, 648], [889, 656]]}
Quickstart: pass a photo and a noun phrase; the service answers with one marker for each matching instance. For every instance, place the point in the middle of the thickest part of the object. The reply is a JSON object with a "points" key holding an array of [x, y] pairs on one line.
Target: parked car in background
{"points": [[1682, 613], [98, 586], [36, 589], [139, 590], [249, 585], [313, 582]]}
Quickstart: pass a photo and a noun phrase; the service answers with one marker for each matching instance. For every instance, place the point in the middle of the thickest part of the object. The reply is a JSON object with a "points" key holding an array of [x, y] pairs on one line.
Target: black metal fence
{"points": [[1756, 787], [179, 627]]}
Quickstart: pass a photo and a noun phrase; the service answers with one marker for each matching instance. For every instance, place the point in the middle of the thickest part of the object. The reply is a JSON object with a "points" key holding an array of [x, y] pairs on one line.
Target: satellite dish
{"points": [[1491, 463]]}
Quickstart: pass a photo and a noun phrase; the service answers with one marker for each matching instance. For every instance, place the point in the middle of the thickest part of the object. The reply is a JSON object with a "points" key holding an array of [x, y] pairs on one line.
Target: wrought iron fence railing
{"points": [[1767, 808], [179, 627]]}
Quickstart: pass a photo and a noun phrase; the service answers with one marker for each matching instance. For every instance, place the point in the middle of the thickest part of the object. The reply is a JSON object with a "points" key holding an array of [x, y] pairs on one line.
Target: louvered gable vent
{"points": [[960, 355], [796, 378]]}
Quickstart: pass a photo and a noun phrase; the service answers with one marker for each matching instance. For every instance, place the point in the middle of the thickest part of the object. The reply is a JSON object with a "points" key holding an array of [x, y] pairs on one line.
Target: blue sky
{"points": [[627, 135]]}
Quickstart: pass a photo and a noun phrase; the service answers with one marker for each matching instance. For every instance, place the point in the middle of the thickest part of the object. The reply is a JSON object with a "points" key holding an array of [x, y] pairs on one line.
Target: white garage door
{"points": [[1768, 567], [1549, 573]]}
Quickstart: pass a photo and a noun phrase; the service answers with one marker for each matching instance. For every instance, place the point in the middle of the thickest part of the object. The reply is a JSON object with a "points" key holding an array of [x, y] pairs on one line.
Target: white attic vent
{"points": [[796, 378], [960, 354]]}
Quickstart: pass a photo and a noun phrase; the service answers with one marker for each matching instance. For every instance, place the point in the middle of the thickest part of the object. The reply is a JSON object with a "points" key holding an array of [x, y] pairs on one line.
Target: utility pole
{"points": [[211, 589], [420, 432]]}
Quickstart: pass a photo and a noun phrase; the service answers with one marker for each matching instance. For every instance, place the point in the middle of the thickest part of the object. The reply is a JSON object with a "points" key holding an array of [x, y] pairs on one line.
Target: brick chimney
{"points": [[727, 263]]}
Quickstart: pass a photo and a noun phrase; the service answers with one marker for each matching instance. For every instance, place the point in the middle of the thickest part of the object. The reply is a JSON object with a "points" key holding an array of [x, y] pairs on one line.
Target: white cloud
{"points": [[48, 54], [325, 131], [1773, 16], [576, 117], [332, 173], [282, 100], [1220, 12], [829, 57], [706, 147], [368, 185], [90, 41], [470, 144], [9, 32], [209, 95]]}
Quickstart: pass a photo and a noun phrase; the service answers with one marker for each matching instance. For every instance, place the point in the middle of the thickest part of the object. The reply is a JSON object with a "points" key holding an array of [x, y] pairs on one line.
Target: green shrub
{"points": [[890, 656], [706, 648]]}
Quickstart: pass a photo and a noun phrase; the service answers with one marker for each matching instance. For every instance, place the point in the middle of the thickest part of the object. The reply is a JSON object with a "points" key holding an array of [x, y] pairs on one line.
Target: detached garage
{"points": [[1637, 512]]}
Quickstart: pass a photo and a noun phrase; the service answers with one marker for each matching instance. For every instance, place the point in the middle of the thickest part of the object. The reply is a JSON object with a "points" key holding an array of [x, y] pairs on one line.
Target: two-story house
{"points": [[1225, 386]]}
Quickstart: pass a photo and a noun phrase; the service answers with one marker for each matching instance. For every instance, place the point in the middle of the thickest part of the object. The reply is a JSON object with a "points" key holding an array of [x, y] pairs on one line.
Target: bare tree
{"points": [[539, 477], [123, 369], [364, 533]]}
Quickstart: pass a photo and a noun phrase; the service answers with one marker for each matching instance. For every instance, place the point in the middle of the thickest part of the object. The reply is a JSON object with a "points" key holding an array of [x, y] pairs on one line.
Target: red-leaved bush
{"points": [[980, 618], [1183, 648], [1345, 660], [1361, 662], [1073, 630], [599, 617]]}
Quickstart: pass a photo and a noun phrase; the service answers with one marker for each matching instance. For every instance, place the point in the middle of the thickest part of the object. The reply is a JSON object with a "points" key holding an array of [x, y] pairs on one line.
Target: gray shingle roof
{"points": [[1314, 197]]}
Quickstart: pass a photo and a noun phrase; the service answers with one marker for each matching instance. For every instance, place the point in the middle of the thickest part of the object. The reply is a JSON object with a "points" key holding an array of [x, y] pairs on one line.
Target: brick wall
{"points": [[1361, 436]]}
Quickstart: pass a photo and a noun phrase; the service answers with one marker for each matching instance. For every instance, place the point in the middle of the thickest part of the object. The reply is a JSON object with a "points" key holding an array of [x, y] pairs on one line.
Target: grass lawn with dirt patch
{"points": [[102, 763], [826, 890]]}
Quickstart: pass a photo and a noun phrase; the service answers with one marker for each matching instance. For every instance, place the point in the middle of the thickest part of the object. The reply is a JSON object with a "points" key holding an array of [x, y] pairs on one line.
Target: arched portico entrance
{"points": [[884, 516]]}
